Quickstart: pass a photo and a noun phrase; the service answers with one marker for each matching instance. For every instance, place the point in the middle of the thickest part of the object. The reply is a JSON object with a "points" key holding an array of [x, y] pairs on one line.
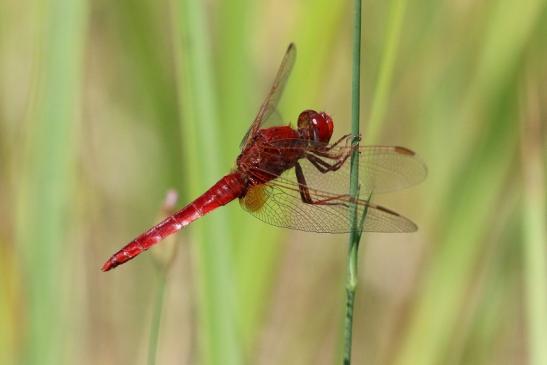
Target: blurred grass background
{"points": [[106, 105]]}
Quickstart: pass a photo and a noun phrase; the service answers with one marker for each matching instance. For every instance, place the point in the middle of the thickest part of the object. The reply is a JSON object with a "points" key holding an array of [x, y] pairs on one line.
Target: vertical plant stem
{"points": [[534, 228], [156, 317], [45, 186], [218, 332], [377, 110], [164, 257], [355, 235]]}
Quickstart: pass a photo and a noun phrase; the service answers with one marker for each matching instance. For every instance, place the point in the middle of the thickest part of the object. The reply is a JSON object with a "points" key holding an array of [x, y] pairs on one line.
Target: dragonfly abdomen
{"points": [[224, 191]]}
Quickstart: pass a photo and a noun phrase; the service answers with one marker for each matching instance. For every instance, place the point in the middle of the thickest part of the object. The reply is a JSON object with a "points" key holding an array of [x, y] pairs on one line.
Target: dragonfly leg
{"points": [[324, 166], [345, 137], [343, 153], [305, 192]]}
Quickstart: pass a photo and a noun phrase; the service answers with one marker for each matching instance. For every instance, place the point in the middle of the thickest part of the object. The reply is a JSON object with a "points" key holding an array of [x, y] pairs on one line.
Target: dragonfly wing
{"points": [[281, 205], [388, 168], [269, 104], [382, 169]]}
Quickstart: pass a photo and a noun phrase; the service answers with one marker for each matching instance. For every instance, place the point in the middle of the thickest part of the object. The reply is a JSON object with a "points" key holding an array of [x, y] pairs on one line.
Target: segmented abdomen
{"points": [[224, 191]]}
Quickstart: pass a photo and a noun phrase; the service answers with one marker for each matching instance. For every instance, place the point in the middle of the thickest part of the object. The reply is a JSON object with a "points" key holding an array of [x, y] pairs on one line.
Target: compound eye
{"points": [[324, 127], [315, 126], [305, 118]]}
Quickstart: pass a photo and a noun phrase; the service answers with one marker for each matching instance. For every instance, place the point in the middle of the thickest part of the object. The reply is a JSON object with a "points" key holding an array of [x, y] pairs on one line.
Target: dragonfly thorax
{"points": [[271, 151]]}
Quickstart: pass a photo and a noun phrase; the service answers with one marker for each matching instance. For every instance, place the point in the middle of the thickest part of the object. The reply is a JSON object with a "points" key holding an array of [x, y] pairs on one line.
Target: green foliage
{"points": [[106, 105], [46, 176]]}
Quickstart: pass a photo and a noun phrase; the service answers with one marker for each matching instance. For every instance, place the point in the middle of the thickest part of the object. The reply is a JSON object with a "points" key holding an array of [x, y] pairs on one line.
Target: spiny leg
{"points": [[339, 155], [326, 151], [305, 192], [324, 166], [343, 138]]}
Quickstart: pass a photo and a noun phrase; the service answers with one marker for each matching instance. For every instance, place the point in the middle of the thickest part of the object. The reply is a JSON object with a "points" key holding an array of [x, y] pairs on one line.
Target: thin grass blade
{"points": [[220, 341], [48, 170]]}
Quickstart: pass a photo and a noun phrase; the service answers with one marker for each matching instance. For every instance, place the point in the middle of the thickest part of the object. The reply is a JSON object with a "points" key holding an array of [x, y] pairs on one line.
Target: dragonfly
{"points": [[296, 178]]}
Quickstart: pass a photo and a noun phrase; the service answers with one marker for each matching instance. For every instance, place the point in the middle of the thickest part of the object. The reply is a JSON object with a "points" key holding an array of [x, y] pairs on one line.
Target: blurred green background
{"points": [[105, 105]]}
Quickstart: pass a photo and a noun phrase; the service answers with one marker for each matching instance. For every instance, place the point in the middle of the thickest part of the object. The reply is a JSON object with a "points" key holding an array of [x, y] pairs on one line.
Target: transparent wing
{"points": [[281, 205], [269, 104], [382, 169]]}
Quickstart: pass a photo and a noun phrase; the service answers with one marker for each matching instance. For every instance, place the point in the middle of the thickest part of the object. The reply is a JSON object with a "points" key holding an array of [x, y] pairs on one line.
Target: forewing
{"points": [[280, 204], [269, 104], [382, 169]]}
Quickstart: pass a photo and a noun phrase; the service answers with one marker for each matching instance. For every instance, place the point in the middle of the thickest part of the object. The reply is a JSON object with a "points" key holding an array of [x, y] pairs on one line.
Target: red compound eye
{"points": [[315, 126]]}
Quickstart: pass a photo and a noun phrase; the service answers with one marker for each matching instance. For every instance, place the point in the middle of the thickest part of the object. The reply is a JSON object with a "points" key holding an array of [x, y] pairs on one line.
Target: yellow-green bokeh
{"points": [[105, 105]]}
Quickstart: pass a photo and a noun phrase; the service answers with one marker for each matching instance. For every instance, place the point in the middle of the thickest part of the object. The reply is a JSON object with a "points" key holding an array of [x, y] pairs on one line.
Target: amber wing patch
{"points": [[255, 198]]}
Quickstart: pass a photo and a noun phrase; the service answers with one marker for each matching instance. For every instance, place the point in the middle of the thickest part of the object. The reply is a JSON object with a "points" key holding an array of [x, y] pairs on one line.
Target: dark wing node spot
{"points": [[404, 151], [384, 209]]}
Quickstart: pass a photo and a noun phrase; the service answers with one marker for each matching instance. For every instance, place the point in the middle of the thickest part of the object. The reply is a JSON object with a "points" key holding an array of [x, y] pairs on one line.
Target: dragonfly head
{"points": [[314, 126]]}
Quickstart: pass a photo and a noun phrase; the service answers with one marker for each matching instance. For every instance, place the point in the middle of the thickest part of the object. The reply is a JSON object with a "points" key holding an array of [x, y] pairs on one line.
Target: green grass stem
{"points": [[219, 340], [48, 171], [156, 317], [239, 97], [534, 230], [356, 229], [381, 92], [147, 56]]}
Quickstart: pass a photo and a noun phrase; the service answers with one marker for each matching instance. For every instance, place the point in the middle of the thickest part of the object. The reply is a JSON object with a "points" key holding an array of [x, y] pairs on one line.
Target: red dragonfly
{"points": [[294, 178]]}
